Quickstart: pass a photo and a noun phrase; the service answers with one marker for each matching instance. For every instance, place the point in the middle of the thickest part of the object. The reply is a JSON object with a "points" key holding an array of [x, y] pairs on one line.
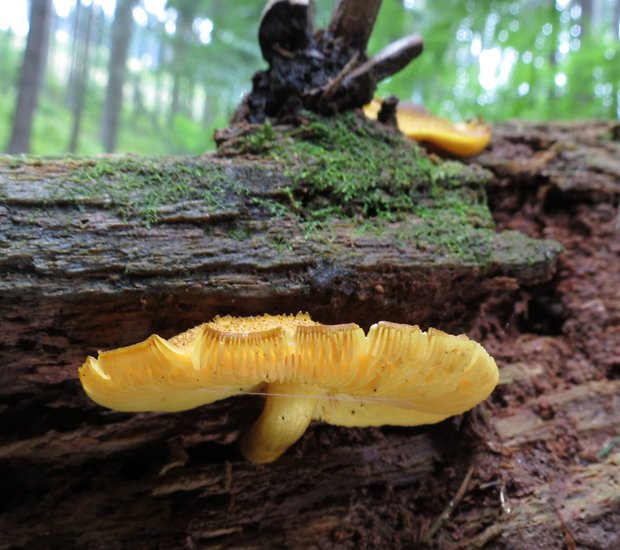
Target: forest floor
{"points": [[556, 417]]}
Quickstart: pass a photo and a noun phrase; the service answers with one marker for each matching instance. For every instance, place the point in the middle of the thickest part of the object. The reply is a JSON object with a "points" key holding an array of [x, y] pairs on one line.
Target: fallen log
{"points": [[101, 252]]}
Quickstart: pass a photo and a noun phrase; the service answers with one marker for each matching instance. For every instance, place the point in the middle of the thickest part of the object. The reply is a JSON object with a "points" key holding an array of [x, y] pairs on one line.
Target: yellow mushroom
{"points": [[461, 138], [394, 375]]}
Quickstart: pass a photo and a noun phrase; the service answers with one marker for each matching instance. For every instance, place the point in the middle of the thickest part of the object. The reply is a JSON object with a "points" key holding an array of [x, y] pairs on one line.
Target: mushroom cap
{"points": [[396, 374], [215, 360], [411, 377], [460, 138]]}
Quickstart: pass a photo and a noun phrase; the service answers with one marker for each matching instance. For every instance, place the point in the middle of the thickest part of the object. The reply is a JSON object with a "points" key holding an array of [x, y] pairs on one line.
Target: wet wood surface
{"points": [[542, 451]]}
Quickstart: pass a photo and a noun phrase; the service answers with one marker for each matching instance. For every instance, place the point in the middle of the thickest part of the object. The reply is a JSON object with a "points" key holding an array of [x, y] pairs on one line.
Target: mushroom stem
{"points": [[284, 420]]}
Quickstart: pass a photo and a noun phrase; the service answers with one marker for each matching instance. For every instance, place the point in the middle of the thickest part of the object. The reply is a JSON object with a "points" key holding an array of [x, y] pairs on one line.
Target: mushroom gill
{"points": [[396, 374]]}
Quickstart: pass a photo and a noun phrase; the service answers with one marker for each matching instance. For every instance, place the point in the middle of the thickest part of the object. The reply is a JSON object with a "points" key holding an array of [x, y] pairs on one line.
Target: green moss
{"points": [[15, 162], [144, 186], [350, 168], [273, 208], [259, 140], [344, 167], [239, 233], [315, 230], [281, 244]]}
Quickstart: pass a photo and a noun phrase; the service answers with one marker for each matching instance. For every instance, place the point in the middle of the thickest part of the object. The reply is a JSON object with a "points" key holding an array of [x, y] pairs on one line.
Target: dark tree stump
{"points": [[325, 71]]}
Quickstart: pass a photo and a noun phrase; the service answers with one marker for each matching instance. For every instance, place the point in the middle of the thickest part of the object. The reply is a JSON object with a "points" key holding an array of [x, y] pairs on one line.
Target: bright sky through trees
{"points": [[188, 69], [15, 17], [15, 12], [495, 63]]}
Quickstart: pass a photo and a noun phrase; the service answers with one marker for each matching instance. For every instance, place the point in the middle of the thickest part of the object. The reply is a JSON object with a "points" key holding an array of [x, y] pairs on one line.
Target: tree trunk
{"points": [[33, 69], [117, 69], [80, 79], [159, 103], [175, 94], [535, 467], [189, 99], [138, 108], [50, 64], [141, 45], [75, 41], [208, 106], [185, 18], [355, 19], [587, 18], [102, 29]]}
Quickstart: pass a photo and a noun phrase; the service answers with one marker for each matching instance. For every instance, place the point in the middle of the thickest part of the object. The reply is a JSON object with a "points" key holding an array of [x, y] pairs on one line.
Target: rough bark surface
{"points": [[539, 459], [354, 20]]}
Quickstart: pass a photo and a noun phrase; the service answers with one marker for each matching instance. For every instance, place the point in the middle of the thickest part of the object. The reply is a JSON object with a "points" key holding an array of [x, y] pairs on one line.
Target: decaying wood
{"points": [[326, 71], [353, 21], [388, 61], [586, 495], [77, 274], [285, 26], [109, 280], [75, 236]]}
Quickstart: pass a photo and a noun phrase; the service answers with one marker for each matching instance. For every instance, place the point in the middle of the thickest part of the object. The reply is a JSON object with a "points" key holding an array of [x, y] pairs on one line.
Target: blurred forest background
{"points": [[158, 76]]}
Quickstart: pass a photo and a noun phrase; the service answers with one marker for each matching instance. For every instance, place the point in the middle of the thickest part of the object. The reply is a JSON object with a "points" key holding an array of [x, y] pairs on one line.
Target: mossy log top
{"points": [[344, 194]]}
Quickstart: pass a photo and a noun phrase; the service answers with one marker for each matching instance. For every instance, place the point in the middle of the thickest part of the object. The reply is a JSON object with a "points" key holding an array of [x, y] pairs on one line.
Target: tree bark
{"points": [[31, 79], [587, 16], [117, 69], [354, 20], [535, 466]]}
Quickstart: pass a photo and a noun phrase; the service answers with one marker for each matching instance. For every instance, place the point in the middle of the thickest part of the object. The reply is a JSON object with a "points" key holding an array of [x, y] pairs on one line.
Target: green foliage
{"points": [[6, 112], [188, 137], [505, 60], [9, 61], [520, 58]]}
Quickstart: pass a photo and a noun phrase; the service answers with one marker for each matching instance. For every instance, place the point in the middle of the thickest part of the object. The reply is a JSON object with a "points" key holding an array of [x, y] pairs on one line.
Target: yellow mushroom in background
{"points": [[461, 138], [394, 375]]}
